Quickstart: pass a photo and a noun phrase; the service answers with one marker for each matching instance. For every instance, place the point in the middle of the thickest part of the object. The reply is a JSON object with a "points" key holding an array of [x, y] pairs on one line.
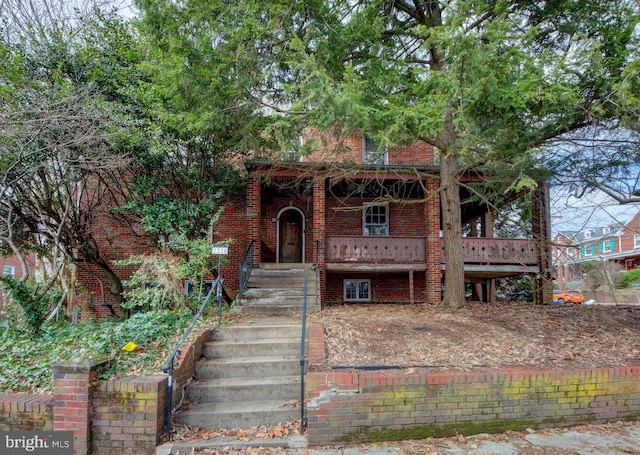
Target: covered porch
{"points": [[484, 258]]}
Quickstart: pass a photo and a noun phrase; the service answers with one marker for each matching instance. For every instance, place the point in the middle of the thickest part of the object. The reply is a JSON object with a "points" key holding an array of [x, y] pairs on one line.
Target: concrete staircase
{"points": [[278, 289], [251, 376]]}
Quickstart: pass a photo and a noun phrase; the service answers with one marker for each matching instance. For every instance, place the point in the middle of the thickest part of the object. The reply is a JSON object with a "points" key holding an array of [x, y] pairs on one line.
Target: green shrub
{"points": [[628, 278], [25, 309], [26, 363], [158, 281]]}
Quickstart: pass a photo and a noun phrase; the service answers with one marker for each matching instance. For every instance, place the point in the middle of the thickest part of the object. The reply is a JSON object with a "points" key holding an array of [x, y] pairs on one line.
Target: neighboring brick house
{"points": [[12, 267], [616, 244], [371, 218]]}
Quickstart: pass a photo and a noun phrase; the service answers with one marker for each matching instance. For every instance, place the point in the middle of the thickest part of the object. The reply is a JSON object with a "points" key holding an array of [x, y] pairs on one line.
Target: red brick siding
{"points": [[348, 149], [404, 219], [628, 233], [432, 225], [233, 224]]}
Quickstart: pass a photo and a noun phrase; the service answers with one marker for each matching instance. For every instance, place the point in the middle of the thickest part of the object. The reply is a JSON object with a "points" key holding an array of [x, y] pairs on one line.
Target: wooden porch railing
{"points": [[481, 250], [412, 250], [371, 249]]}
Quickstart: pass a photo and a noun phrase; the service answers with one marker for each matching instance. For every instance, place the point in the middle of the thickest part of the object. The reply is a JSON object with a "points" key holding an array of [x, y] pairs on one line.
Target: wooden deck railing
{"points": [[412, 250], [480, 250], [371, 249]]}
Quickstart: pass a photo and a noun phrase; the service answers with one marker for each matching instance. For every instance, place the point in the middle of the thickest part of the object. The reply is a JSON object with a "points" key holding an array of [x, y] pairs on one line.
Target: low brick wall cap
{"points": [[82, 366]]}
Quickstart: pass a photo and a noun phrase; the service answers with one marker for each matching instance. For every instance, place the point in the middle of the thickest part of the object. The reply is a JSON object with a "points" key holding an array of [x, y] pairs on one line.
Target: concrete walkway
{"points": [[610, 439]]}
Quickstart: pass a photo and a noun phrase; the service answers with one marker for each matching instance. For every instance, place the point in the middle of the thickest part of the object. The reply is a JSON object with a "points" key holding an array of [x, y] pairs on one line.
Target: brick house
{"points": [[373, 225], [371, 220], [616, 244], [12, 267]]}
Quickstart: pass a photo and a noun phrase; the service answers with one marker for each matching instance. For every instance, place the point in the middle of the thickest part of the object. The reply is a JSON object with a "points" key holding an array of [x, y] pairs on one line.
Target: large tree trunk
{"points": [[451, 222]]}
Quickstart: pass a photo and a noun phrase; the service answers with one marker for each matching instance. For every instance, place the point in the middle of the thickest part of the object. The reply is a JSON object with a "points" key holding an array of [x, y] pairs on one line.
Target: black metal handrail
{"points": [[246, 267], [302, 351], [170, 363]]}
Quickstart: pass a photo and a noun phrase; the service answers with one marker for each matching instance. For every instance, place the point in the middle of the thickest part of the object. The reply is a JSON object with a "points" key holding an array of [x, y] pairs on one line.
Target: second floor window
{"points": [[9, 270], [376, 220], [636, 241], [372, 151], [588, 250]]}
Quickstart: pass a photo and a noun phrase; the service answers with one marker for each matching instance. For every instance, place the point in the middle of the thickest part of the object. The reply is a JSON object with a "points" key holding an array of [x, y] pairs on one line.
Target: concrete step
{"points": [[257, 348], [270, 308], [242, 367], [244, 389], [259, 331], [291, 300], [285, 265], [259, 293], [243, 414], [279, 282]]}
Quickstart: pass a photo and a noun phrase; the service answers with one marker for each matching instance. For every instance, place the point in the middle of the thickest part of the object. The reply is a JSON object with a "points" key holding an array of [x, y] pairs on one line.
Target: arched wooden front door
{"points": [[290, 228]]}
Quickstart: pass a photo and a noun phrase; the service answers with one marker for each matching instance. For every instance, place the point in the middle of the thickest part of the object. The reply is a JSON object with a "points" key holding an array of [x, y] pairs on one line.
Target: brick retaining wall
{"points": [[401, 404], [128, 415], [116, 417], [26, 412]]}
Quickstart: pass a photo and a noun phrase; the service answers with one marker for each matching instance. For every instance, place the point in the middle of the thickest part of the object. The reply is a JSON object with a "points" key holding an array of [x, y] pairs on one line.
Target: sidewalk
{"points": [[610, 439]]}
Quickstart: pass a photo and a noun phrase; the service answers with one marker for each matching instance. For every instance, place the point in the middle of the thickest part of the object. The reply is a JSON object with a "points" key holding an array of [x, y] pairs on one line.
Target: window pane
{"points": [[376, 221], [372, 151], [363, 291], [350, 290]]}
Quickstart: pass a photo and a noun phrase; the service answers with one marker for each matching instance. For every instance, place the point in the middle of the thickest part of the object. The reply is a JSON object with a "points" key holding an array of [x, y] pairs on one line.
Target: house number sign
{"points": [[221, 249]]}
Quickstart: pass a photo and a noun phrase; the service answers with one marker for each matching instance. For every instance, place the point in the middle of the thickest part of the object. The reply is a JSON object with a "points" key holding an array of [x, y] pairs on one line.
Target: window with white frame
{"points": [[375, 220], [9, 270], [606, 246], [587, 234], [294, 152], [357, 290], [606, 230], [588, 250], [636, 241], [373, 152]]}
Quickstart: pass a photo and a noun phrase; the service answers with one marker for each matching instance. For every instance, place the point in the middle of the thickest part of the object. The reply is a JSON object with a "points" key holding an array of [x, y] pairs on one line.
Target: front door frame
{"points": [[302, 231]]}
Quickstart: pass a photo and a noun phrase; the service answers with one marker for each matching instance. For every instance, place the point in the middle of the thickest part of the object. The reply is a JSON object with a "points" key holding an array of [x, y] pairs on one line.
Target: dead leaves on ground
{"points": [[185, 433], [480, 335]]}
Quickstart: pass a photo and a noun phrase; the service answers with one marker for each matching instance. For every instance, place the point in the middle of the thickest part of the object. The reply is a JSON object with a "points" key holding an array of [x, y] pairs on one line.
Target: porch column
{"points": [[433, 277], [487, 226], [253, 215], [541, 227], [319, 231], [411, 296]]}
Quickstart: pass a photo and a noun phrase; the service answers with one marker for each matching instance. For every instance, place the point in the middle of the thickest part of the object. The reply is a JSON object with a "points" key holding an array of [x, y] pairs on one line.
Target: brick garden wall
{"points": [[128, 415], [401, 404], [26, 412], [121, 416]]}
